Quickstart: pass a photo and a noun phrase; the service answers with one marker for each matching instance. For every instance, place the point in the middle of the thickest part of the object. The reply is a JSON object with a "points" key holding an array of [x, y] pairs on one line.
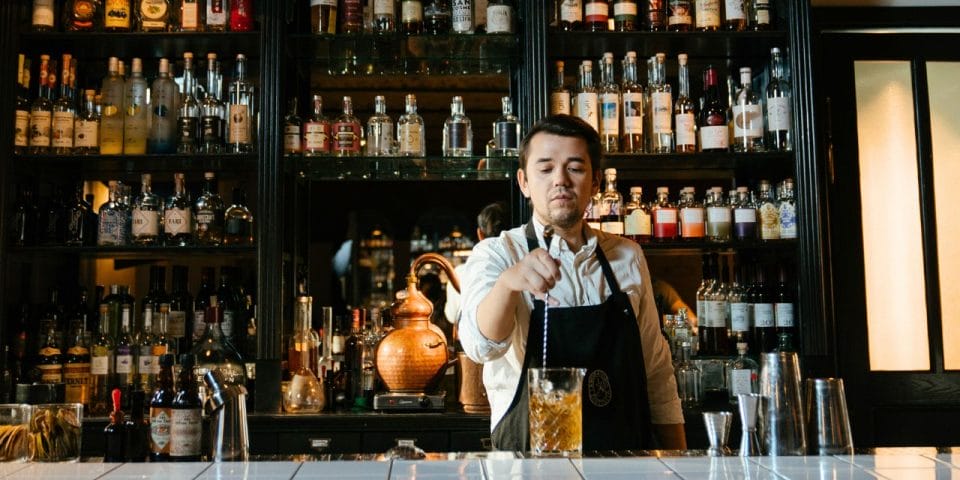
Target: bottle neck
{"points": [[684, 80], [586, 77], [606, 73], [630, 72]]}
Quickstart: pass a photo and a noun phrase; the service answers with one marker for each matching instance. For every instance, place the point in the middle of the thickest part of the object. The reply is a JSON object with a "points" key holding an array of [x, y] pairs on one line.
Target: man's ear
{"points": [[522, 182]]}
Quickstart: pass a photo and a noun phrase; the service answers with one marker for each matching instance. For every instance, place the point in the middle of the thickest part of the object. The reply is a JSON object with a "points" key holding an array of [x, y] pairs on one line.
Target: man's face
{"points": [[558, 179]]}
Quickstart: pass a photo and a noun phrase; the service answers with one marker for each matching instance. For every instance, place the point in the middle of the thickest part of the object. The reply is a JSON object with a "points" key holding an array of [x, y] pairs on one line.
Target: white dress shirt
{"points": [[582, 283]]}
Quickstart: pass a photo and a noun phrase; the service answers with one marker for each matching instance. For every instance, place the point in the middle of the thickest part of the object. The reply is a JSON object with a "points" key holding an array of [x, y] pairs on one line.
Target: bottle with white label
{"points": [[500, 16], [41, 111], [708, 14], [126, 354], [787, 207], [714, 132], [741, 315], [609, 107], [760, 15], [744, 216], [747, 118], [86, 129], [742, 375], [317, 131], [379, 130], [292, 130], [586, 96], [241, 111], [769, 212], [764, 321], [217, 13], [44, 16], [661, 109], [64, 113], [692, 221], [779, 106], [664, 215], [177, 215], [633, 107], [718, 216], [684, 111], [784, 303], [735, 15], [713, 329], [636, 217], [596, 15], [462, 16], [101, 365], [145, 225], [148, 365], [186, 425], [611, 205], [410, 130], [559, 95], [707, 278], [111, 228]]}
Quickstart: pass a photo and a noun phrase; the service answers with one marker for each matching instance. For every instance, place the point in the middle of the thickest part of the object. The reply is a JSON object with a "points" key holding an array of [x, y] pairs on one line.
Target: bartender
{"points": [[602, 314]]}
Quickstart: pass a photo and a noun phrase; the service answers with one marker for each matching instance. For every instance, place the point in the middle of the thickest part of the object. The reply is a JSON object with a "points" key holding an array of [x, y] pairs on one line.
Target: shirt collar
{"points": [[560, 245]]}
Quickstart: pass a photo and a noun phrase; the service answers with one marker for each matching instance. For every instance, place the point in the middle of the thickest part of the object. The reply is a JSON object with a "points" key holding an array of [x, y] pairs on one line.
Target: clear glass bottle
{"points": [[410, 130], [379, 130], [111, 231], [347, 132], [688, 378], [719, 221], [148, 365], [761, 15], [611, 205], [292, 130], [779, 106], [145, 224], [609, 98], [112, 110], [242, 110], [664, 216], [155, 15], [188, 116], [784, 305], [636, 217], [692, 224], [238, 221], [457, 131], [177, 215], [101, 366], [747, 117], [684, 111], [787, 207], [744, 216], [218, 12], [660, 109], [506, 130], [126, 366], [741, 315], [586, 100], [714, 132], [559, 95], [163, 341], [164, 103], [316, 131], [64, 113], [136, 121], [714, 325], [742, 375], [633, 107], [21, 137], [305, 392], [208, 213], [211, 111], [214, 350], [86, 131], [769, 212], [41, 111]]}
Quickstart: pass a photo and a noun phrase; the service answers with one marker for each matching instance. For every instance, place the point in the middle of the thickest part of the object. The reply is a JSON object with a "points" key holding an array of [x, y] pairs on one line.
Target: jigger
{"points": [[749, 405], [718, 429]]}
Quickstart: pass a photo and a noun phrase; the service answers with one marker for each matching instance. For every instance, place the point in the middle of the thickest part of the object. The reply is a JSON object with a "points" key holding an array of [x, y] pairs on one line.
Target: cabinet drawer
{"points": [[316, 442], [379, 442]]}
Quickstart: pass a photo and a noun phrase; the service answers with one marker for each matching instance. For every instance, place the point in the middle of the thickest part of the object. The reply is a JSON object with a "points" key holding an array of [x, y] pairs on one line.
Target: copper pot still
{"points": [[413, 357]]}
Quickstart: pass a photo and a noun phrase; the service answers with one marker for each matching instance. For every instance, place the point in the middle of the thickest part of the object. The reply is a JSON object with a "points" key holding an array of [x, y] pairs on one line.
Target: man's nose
{"points": [[561, 177]]}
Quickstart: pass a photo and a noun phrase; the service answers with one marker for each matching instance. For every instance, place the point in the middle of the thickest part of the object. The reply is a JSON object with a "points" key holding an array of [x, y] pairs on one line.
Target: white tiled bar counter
{"points": [[894, 464]]}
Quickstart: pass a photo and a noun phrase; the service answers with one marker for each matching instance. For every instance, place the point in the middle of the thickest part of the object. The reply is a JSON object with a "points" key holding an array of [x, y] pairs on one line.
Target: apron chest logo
{"points": [[598, 387]]}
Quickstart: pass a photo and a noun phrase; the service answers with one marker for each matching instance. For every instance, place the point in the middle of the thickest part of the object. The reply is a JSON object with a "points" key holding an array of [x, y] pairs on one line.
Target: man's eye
{"points": [[545, 170]]}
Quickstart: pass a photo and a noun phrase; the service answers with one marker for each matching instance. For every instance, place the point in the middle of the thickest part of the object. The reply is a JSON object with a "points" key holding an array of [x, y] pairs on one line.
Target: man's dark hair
{"points": [[490, 220], [565, 126]]}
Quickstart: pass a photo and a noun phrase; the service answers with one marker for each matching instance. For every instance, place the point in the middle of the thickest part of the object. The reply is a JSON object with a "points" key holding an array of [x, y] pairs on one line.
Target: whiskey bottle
{"points": [[164, 99], [82, 15], [384, 16], [708, 15], [779, 106], [200, 304], [633, 108], [241, 15], [316, 131], [111, 230], [241, 111], [411, 17], [410, 130], [145, 224], [351, 16], [609, 99], [714, 133], [155, 15], [625, 15], [161, 411], [177, 217], [457, 131], [188, 117], [292, 130], [208, 213], [81, 221], [216, 16], [112, 110], [76, 367], [137, 118], [379, 130], [569, 14], [211, 111], [679, 15], [41, 111], [117, 16], [735, 15], [86, 129], [559, 95], [436, 17], [747, 117], [21, 136], [684, 111], [64, 113], [611, 206], [186, 427], [596, 15], [191, 16], [586, 99], [323, 16], [238, 221], [655, 13], [50, 358], [44, 16], [102, 365], [760, 15]]}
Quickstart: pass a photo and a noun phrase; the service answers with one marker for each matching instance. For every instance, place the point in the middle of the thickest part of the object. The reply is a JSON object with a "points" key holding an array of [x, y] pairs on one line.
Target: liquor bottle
{"points": [[114, 434], [117, 16], [661, 109], [747, 118], [743, 374], [633, 108], [611, 205], [21, 137], [238, 221], [461, 16], [596, 15], [625, 15], [102, 365], [714, 133], [145, 227], [164, 99], [384, 16], [591, 215], [304, 347], [81, 221], [163, 343], [506, 130], [760, 15], [208, 213], [43, 18], [216, 16], [353, 359], [186, 425], [50, 357], [241, 15], [713, 328], [231, 306], [779, 106], [500, 16], [200, 304], [692, 225], [741, 317], [316, 131], [179, 325], [177, 215], [787, 207], [379, 129], [111, 231], [26, 218], [636, 217], [609, 98], [410, 131], [137, 118], [76, 367], [125, 350], [436, 17], [241, 111], [292, 130], [783, 307], [569, 14], [664, 216], [346, 132], [81, 15], [86, 129], [679, 15], [764, 319], [744, 216], [684, 112], [161, 411], [188, 111], [211, 111], [688, 378], [586, 96], [41, 111], [769, 213], [735, 15], [147, 366], [559, 95], [137, 430], [718, 216], [156, 296], [457, 131], [64, 113], [191, 16], [351, 16], [655, 15], [708, 14], [323, 17], [155, 15], [411, 17], [112, 111], [215, 351]]}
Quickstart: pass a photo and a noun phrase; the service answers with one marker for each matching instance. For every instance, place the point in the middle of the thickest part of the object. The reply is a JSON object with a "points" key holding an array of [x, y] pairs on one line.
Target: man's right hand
{"points": [[536, 273]]}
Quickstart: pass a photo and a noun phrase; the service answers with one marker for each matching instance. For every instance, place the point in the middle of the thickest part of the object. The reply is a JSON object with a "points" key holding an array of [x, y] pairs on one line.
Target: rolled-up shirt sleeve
{"points": [[480, 273]]}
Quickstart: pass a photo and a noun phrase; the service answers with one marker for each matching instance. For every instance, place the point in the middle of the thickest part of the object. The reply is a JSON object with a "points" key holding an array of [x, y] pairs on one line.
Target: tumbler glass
{"points": [[556, 414], [828, 423]]}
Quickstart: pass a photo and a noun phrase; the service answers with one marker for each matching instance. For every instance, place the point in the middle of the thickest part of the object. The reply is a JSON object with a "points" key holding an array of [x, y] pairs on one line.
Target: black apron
{"points": [[605, 340]]}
